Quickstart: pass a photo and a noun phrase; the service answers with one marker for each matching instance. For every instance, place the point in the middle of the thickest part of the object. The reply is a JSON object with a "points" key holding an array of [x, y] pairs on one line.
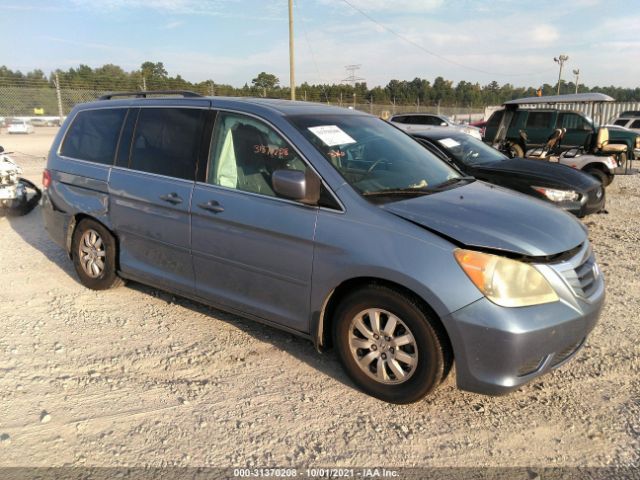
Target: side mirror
{"points": [[297, 185], [1, 149]]}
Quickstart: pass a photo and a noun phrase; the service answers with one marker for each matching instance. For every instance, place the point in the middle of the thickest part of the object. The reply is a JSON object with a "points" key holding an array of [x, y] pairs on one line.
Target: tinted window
{"points": [[635, 124], [494, 120], [573, 121], [401, 119], [167, 141], [426, 120], [245, 153], [622, 122], [539, 120], [93, 135]]}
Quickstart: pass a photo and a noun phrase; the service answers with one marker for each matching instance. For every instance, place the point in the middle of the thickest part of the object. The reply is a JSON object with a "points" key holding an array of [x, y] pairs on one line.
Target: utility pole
{"points": [[560, 61], [576, 72], [212, 91], [144, 83], [59, 95], [292, 76]]}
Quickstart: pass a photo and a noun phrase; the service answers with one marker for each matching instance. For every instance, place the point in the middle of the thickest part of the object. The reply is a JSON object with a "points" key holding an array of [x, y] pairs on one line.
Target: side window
{"points": [[401, 119], [245, 152], [572, 121], [635, 124], [167, 141], [622, 122], [539, 120], [93, 135]]}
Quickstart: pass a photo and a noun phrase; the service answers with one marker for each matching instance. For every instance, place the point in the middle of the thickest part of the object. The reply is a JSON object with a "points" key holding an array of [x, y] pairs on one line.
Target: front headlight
{"points": [[558, 195], [505, 282]]}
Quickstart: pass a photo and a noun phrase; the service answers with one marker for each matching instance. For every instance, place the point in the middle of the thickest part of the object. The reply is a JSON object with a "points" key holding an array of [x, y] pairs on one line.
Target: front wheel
{"points": [[599, 175], [388, 345], [93, 250]]}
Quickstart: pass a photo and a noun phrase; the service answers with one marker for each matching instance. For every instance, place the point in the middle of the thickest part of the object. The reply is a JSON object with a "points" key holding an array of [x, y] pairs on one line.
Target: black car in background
{"points": [[563, 186]]}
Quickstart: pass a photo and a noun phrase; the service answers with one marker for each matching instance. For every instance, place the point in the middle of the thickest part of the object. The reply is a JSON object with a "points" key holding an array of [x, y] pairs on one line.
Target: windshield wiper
{"points": [[419, 190], [451, 181], [399, 191]]}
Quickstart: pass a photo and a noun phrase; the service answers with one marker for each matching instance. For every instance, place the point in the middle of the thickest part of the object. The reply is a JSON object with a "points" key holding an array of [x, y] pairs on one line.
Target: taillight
{"points": [[46, 178]]}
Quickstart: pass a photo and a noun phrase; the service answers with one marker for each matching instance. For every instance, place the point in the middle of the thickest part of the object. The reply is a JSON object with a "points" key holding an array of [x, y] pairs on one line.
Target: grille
{"points": [[566, 352], [582, 279]]}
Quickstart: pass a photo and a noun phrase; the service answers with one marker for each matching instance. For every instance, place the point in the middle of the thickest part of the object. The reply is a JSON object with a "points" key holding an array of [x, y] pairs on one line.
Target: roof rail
{"points": [[143, 94]]}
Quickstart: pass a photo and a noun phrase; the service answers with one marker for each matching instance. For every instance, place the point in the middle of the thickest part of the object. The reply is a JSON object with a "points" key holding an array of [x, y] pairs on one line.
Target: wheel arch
{"points": [[322, 336], [73, 225]]}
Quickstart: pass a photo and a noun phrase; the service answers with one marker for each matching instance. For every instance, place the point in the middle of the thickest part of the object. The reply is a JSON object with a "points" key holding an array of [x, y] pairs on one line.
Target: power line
{"points": [[434, 54], [313, 57]]}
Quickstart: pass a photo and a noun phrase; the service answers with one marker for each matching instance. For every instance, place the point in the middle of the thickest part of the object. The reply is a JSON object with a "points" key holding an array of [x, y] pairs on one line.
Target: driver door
{"points": [[252, 250]]}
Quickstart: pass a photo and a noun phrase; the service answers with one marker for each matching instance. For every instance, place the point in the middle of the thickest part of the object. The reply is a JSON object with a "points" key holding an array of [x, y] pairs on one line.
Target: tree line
{"points": [[419, 91]]}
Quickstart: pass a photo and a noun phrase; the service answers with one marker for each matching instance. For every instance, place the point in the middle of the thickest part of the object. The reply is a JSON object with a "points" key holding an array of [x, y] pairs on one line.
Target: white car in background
{"points": [[20, 126], [630, 120], [416, 122]]}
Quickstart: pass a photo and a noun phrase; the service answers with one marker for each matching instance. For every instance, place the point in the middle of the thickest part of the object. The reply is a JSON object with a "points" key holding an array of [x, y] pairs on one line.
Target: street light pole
{"points": [[292, 77], [560, 60], [577, 74]]}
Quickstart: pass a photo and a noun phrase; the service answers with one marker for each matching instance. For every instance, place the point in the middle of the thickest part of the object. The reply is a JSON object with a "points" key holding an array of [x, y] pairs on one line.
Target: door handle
{"points": [[212, 206], [172, 198]]}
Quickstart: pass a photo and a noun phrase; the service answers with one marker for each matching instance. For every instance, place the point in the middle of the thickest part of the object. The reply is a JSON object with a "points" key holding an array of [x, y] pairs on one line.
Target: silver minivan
{"points": [[328, 223]]}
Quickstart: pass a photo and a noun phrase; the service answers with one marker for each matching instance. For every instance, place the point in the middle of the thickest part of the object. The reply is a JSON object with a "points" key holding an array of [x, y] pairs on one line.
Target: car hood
{"points": [[551, 173], [485, 216]]}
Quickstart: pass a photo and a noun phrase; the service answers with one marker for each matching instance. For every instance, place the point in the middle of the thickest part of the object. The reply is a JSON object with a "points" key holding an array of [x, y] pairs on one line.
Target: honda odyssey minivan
{"points": [[328, 223]]}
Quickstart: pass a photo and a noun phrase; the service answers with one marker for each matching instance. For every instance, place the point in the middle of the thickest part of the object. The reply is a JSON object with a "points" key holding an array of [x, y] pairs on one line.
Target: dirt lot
{"points": [[134, 376]]}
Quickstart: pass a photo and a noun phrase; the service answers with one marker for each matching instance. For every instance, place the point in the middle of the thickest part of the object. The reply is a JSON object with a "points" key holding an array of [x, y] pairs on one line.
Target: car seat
{"points": [[250, 160], [603, 145]]}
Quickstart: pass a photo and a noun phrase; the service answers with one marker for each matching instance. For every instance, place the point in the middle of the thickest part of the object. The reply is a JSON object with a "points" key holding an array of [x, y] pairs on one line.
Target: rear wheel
{"points": [[93, 250], [388, 345]]}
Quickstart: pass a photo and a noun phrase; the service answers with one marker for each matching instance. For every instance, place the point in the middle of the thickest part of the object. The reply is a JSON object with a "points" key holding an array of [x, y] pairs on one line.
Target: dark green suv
{"points": [[522, 127]]}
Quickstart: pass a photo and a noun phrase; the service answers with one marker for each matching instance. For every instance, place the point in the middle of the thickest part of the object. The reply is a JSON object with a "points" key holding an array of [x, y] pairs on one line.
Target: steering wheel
{"points": [[373, 167]]}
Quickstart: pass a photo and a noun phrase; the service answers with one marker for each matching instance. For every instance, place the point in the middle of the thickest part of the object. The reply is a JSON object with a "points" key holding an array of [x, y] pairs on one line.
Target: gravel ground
{"points": [[137, 377]]}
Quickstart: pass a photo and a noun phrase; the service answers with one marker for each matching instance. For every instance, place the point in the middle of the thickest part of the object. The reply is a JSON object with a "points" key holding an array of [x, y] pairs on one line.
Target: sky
{"points": [[231, 41]]}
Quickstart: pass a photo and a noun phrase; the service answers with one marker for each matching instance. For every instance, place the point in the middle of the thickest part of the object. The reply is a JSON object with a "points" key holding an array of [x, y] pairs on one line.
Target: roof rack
{"points": [[143, 94]]}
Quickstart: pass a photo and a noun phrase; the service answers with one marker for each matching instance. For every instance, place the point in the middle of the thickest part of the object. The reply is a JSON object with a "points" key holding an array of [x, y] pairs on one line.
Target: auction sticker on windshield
{"points": [[449, 142], [331, 135]]}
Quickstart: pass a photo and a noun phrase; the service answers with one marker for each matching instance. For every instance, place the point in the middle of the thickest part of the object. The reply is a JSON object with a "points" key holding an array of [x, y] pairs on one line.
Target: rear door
{"points": [[150, 194], [252, 250]]}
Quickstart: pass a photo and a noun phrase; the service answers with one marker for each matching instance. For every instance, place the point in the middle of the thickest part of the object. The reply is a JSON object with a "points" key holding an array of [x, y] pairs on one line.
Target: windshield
{"points": [[373, 156], [469, 150]]}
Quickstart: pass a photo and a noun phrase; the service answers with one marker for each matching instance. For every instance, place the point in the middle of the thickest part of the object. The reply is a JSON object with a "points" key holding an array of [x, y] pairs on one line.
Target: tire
{"points": [[516, 150], [422, 360], [599, 175], [99, 271]]}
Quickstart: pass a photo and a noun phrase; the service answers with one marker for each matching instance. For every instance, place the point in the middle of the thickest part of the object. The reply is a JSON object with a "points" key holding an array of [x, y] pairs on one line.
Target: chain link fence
{"points": [[24, 102]]}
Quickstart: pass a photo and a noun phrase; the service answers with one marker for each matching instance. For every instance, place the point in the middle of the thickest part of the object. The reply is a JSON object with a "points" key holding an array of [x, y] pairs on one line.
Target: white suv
{"points": [[630, 120]]}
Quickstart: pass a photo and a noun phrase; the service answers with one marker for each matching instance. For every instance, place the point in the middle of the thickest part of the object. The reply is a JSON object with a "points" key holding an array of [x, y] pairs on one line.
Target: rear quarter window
{"points": [[93, 135], [495, 118]]}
